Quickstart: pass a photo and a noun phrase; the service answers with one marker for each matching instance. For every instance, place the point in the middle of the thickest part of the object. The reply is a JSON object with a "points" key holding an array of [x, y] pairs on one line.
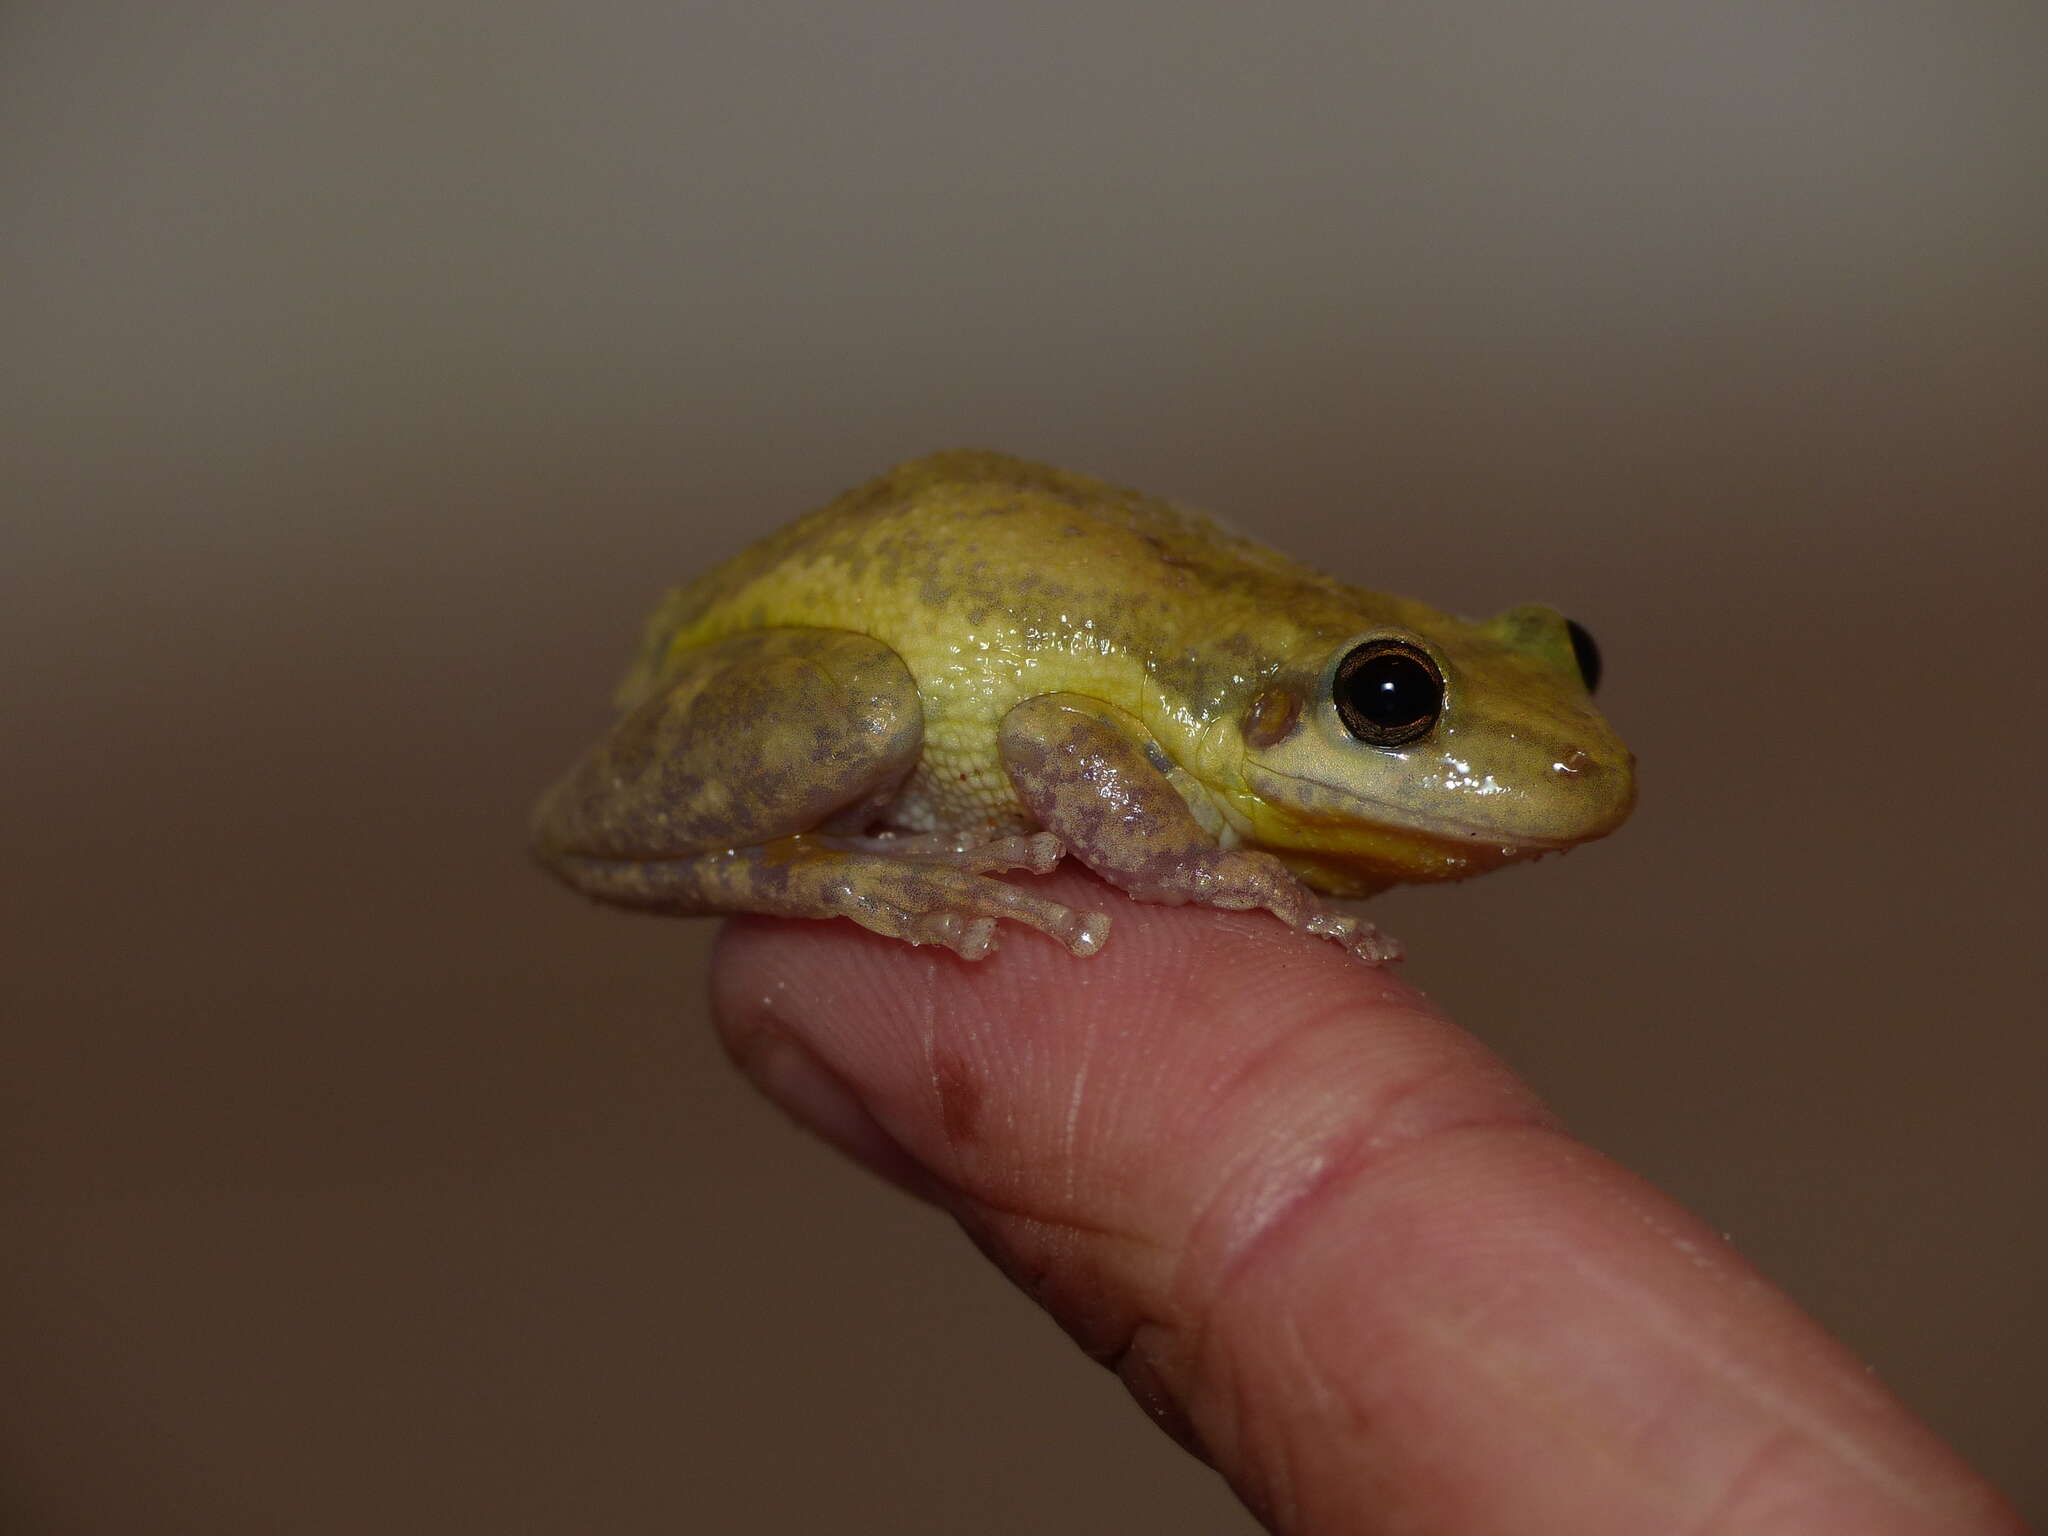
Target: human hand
{"points": [[1327, 1240]]}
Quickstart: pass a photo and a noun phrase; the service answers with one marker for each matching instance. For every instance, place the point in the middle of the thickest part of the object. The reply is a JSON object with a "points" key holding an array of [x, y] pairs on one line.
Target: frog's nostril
{"points": [[1571, 762]]}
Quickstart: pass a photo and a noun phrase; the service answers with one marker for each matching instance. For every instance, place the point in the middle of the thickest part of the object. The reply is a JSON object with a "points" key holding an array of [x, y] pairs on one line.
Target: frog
{"points": [[974, 666]]}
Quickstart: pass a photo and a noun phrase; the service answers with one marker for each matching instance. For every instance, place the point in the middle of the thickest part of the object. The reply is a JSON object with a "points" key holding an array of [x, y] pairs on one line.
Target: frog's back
{"points": [[950, 544]]}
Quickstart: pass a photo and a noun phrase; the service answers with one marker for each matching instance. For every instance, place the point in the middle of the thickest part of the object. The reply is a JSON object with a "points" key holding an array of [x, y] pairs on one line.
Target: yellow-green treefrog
{"points": [[975, 664]]}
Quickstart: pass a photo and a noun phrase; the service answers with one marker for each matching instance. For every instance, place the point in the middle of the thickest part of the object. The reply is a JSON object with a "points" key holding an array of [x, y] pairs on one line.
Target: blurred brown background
{"points": [[369, 369]]}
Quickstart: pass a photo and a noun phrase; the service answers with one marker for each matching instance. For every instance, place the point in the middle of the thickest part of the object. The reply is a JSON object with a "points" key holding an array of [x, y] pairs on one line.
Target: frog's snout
{"points": [[1602, 789]]}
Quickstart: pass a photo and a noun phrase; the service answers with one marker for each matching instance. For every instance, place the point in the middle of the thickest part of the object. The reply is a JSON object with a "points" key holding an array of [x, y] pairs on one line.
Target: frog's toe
{"points": [[1340, 926], [1040, 853], [1082, 932], [971, 938], [1088, 932], [1374, 947]]}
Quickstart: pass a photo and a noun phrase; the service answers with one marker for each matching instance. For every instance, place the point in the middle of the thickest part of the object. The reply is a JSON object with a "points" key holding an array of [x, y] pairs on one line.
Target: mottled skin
{"points": [[975, 664]]}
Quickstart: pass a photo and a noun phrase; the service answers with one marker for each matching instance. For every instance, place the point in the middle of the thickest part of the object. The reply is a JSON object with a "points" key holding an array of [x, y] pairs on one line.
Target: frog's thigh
{"points": [[1091, 774], [759, 736], [721, 792]]}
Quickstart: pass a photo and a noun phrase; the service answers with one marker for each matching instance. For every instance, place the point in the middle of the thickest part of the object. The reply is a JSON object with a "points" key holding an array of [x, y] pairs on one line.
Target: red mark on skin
{"points": [[960, 1096]]}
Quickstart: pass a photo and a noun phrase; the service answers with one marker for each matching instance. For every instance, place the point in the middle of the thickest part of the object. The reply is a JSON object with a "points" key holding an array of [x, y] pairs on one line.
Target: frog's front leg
{"points": [[744, 783], [1093, 775]]}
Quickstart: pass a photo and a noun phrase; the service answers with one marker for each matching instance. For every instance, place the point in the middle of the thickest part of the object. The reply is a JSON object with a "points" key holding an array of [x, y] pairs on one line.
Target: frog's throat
{"points": [[1314, 802]]}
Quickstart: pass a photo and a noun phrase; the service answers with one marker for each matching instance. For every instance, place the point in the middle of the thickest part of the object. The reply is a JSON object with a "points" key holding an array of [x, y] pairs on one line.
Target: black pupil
{"points": [[1393, 691], [1585, 653], [1387, 694]]}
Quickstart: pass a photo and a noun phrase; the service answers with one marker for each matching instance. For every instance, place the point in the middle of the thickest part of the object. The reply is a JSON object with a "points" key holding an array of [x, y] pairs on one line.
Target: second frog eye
{"points": [[1388, 692], [1585, 653]]}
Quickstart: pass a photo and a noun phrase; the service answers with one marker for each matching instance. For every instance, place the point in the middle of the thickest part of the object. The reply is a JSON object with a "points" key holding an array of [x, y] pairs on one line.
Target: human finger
{"points": [[1327, 1240]]}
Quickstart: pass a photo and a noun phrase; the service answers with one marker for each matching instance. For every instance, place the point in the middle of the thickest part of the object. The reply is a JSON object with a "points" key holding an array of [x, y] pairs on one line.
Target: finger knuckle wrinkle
{"points": [[1267, 1212]]}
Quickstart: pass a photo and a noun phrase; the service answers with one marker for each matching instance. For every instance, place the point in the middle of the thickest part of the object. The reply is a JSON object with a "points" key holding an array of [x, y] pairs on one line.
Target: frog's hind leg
{"points": [[924, 903], [762, 735], [1039, 852], [710, 793]]}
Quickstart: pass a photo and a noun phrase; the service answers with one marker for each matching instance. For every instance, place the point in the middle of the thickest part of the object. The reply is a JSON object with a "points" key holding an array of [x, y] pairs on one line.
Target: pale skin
{"points": [[1328, 1241]]}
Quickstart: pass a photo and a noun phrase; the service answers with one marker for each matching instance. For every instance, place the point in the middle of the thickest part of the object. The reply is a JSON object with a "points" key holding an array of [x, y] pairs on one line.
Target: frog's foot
{"points": [[1374, 947], [923, 901], [1354, 933], [948, 898], [942, 904], [1039, 852], [1239, 879], [1083, 769]]}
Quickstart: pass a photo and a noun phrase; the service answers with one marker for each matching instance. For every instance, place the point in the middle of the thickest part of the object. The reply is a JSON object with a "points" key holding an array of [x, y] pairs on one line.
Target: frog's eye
{"points": [[1388, 692], [1585, 653]]}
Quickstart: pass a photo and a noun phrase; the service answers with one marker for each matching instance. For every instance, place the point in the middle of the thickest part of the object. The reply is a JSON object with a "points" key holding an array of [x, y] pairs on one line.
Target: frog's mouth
{"points": [[1324, 818]]}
